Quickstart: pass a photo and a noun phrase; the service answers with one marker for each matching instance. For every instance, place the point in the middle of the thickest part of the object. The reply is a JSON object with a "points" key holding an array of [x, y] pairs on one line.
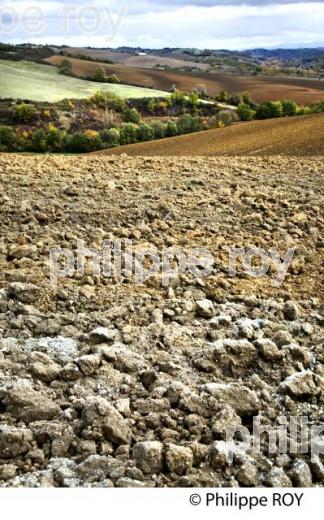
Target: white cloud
{"points": [[207, 24]]}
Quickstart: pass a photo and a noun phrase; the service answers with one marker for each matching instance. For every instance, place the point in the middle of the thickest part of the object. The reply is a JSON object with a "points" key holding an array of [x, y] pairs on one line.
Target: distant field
{"points": [[132, 60], [303, 135], [261, 88], [31, 81]]}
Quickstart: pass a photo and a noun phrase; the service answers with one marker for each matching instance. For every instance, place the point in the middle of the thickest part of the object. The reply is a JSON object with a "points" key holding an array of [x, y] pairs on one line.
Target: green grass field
{"points": [[35, 82]]}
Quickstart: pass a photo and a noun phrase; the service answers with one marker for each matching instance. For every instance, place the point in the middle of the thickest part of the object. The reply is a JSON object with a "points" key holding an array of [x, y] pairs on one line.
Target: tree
{"points": [[188, 124], [145, 133], [111, 137], [54, 138], [24, 112], [113, 79], [92, 141], [108, 100], [7, 138], [289, 108], [131, 115], [235, 99], [99, 75], [245, 112], [65, 67], [128, 134], [246, 99], [39, 141], [269, 109], [223, 96], [158, 131], [171, 129]]}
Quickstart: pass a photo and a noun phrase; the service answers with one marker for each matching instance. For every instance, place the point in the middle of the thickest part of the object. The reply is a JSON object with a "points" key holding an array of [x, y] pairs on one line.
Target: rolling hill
{"points": [[303, 135], [302, 91], [34, 82]]}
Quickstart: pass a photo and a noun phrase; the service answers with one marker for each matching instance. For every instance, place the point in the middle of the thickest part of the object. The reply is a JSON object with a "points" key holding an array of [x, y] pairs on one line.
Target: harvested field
{"points": [[302, 91], [133, 60], [145, 400], [299, 136]]}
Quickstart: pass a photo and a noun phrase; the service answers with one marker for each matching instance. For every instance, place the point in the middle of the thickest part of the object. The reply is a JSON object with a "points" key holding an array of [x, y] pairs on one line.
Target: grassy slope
{"points": [[303, 135], [26, 80]]}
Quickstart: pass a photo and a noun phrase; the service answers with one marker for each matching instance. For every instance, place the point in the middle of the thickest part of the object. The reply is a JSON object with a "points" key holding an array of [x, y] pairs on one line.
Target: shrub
{"points": [[223, 96], [245, 112], [131, 115], [289, 108], [317, 107], [158, 130], [246, 99], [55, 138], [193, 100], [111, 137], [188, 124], [151, 106], [24, 112], [269, 109], [235, 99], [7, 138], [128, 134], [223, 118], [171, 129], [107, 100], [178, 98], [113, 79], [92, 141], [65, 67], [76, 143], [39, 141], [145, 133], [99, 75]]}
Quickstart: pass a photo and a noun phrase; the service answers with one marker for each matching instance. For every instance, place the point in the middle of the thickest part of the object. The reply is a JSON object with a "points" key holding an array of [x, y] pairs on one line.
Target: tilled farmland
{"points": [[293, 136], [108, 383]]}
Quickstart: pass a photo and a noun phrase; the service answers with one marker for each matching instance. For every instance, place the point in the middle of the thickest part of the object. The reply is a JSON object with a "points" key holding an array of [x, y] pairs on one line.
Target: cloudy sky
{"points": [[231, 24]]}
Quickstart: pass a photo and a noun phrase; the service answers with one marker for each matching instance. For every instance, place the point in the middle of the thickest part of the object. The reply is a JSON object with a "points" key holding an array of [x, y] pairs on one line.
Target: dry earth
{"points": [[297, 136], [146, 399], [302, 91]]}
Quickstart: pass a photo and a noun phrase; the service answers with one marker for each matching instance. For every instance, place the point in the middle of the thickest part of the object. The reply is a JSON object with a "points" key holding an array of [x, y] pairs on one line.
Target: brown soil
{"points": [[303, 135], [261, 89]]}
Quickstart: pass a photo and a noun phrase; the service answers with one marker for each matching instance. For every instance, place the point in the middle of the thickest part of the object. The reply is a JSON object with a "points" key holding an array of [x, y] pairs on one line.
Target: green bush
{"points": [[158, 131], [269, 109], [39, 141], [65, 67], [55, 139], [76, 143], [128, 134], [289, 108], [92, 141], [188, 124], [178, 98], [99, 75], [246, 99], [7, 138], [235, 99], [113, 79], [145, 133], [223, 96], [245, 112], [108, 100], [131, 115], [111, 137], [317, 107], [24, 113], [171, 129]]}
